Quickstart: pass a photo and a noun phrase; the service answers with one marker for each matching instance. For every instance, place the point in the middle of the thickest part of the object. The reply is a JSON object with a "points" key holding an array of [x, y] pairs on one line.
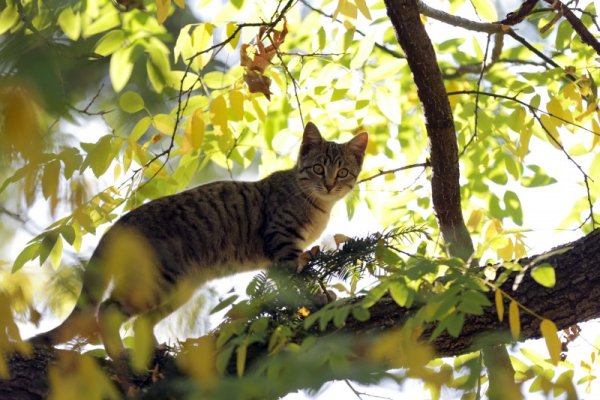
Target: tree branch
{"points": [[422, 61]]}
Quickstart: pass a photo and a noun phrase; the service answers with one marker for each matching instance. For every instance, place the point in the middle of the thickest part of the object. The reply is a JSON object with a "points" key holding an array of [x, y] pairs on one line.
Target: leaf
{"points": [[183, 45], [131, 102], [485, 9], [140, 128], [28, 253], [361, 314], [164, 123], [513, 207], [499, 304], [121, 66], [50, 179], [364, 51], [240, 361], [544, 275], [70, 23], [258, 83], [162, 10], [401, 293], [56, 253], [550, 333], [236, 101], [180, 4], [388, 104], [229, 30], [194, 132], [8, 17], [514, 320], [224, 304], [363, 8], [455, 323], [110, 42]]}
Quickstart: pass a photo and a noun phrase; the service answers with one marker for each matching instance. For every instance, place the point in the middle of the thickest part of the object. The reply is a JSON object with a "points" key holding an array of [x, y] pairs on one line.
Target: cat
{"points": [[153, 257]]}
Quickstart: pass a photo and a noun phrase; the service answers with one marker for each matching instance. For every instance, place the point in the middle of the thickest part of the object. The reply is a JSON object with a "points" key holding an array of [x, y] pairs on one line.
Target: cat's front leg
{"points": [[282, 249]]}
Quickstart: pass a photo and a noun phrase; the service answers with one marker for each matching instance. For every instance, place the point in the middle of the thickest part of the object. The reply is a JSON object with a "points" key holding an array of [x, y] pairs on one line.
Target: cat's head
{"points": [[328, 170]]}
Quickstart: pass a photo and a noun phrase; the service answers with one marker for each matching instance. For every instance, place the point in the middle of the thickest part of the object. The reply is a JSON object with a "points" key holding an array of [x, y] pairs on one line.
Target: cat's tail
{"points": [[81, 323]]}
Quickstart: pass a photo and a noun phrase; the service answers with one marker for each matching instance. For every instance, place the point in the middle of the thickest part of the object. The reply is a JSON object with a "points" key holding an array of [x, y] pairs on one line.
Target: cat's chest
{"points": [[314, 228]]}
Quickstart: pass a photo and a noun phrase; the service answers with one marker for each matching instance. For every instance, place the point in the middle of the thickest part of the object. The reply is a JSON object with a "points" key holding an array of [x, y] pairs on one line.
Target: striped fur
{"points": [[157, 254]]}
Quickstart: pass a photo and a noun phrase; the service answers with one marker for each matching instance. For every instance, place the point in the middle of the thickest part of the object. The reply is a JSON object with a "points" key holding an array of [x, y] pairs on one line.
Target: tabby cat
{"points": [[150, 261]]}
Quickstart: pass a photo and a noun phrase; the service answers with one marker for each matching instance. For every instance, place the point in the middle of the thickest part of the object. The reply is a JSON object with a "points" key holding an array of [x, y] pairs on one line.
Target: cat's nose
{"points": [[329, 186]]}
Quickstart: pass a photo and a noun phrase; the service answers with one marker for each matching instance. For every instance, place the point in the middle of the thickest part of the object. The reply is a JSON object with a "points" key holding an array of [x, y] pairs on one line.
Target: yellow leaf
{"points": [[143, 344], [514, 320], [303, 312], [553, 344], [164, 123], [340, 238], [162, 10], [236, 100], [197, 359], [475, 219], [485, 9], [364, 9], [499, 305], [195, 130], [218, 110], [180, 4], [229, 30], [555, 108]]}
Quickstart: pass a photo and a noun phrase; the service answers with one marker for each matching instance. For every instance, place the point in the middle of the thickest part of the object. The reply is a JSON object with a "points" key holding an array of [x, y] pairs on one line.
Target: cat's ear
{"points": [[358, 146], [310, 138]]}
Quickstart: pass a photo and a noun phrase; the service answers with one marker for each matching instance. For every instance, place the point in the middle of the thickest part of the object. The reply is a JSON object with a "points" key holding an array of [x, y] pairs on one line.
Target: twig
{"points": [[359, 394], [391, 171], [578, 26], [483, 68], [381, 47], [525, 104], [586, 177], [288, 73]]}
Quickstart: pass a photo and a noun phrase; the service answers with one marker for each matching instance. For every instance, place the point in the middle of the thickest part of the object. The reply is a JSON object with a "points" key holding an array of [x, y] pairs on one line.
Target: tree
{"points": [[182, 109]]}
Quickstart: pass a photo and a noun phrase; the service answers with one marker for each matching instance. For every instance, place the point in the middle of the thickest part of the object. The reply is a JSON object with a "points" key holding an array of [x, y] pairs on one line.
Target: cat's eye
{"points": [[318, 169], [342, 173]]}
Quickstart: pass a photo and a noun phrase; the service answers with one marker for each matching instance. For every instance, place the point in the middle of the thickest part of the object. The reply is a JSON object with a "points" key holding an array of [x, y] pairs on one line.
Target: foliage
{"points": [[187, 93]]}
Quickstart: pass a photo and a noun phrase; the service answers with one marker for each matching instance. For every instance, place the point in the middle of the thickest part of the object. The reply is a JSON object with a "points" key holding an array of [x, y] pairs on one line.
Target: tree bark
{"points": [[421, 58], [575, 298]]}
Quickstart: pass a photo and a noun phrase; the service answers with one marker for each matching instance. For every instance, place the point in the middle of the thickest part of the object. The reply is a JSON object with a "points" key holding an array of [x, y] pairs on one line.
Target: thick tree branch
{"points": [[574, 299], [422, 61]]}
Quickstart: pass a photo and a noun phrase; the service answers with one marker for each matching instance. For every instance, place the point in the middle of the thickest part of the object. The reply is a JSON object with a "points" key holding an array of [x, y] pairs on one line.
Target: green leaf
{"points": [[8, 17], [401, 293], [544, 275], [70, 23], [539, 178], [339, 317], [455, 323], [513, 207], [131, 102], [485, 9], [28, 253], [140, 128], [56, 253], [224, 303], [361, 314], [121, 66], [110, 42]]}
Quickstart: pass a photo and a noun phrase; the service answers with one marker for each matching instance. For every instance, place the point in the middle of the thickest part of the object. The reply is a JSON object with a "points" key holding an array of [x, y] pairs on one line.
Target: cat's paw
{"points": [[306, 256]]}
